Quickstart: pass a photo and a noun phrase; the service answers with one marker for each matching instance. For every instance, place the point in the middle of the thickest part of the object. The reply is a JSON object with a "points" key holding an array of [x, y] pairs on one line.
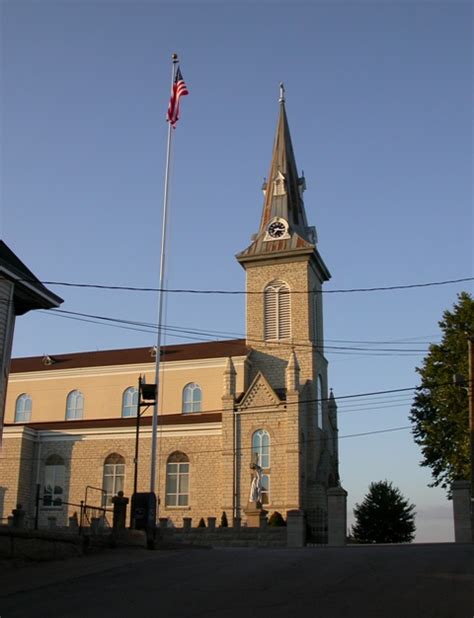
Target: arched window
{"points": [[114, 476], [261, 448], [261, 456], [277, 311], [319, 401], [192, 398], [129, 401], [177, 480], [74, 405], [23, 409], [53, 489]]}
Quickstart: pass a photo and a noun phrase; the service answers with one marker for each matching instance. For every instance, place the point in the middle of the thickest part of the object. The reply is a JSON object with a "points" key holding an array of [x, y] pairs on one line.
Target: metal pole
{"points": [[137, 436], [37, 500], [161, 296], [470, 392]]}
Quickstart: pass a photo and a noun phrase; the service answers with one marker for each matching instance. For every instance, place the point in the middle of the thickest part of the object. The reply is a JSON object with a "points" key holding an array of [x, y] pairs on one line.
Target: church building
{"points": [[70, 419]]}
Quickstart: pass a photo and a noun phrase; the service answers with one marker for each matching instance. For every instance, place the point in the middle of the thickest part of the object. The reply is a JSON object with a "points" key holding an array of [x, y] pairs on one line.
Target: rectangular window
{"points": [[114, 475], [53, 485], [177, 484]]}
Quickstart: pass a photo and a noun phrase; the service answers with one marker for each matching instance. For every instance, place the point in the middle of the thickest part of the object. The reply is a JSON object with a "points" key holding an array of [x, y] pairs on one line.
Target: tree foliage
{"points": [[439, 413], [384, 516]]}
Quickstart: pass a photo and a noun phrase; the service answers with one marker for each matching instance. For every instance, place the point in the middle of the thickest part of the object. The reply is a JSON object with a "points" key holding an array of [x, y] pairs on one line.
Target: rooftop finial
{"points": [[282, 93]]}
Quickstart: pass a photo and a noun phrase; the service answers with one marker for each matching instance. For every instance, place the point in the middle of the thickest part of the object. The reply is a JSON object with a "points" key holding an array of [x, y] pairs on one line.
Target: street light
{"points": [[146, 397]]}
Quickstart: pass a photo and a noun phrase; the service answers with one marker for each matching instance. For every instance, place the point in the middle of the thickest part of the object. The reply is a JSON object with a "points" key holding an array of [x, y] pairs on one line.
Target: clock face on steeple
{"points": [[277, 229]]}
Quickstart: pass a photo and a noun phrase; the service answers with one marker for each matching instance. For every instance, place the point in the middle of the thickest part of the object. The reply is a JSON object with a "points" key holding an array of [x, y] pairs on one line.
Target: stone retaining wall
{"points": [[227, 537]]}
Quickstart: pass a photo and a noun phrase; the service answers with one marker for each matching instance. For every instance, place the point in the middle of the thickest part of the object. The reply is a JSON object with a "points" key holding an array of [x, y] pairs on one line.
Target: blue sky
{"points": [[379, 101]]}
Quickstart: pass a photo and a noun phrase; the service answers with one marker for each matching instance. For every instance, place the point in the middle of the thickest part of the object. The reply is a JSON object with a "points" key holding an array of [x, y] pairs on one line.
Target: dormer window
{"points": [[279, 187]]}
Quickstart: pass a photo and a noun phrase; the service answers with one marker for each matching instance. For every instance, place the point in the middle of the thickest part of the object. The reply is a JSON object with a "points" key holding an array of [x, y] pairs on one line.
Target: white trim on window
{"points": [[177, 480], [54, 479], [277, 311], [129, 401], [114, 477], [192, 398], [74, 405], [261, 453], [23, 408]]}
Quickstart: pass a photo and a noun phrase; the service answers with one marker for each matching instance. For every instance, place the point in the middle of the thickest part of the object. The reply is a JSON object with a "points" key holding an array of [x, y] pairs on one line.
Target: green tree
{"points": [[384, 516], [439, 413]]}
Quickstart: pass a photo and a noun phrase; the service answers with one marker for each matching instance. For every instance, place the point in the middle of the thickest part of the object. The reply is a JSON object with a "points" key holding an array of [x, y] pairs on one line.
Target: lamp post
{"points": [[470, 393], [146, 397], [460, 380]]}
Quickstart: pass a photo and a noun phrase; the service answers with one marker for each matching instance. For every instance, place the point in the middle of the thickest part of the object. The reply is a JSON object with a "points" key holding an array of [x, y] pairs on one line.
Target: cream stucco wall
{"points": [[103, 388]]}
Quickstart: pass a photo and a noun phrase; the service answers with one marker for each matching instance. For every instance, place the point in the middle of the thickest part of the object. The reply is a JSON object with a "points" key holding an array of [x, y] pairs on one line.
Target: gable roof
{"points": [[260, 393], [132, 356], [29, 292]]}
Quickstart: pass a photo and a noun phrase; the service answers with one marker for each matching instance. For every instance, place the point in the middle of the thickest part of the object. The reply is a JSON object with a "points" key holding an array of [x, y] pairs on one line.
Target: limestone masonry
{"points": [[70, 420]]}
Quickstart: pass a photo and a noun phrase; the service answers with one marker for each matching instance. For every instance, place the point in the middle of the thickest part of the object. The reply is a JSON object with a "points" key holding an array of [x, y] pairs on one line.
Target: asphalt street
{"points": [[425, 581]]}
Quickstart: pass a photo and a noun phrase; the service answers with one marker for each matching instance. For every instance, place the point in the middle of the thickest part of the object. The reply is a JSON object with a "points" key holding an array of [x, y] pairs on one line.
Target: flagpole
{"points": [[161, 296]]}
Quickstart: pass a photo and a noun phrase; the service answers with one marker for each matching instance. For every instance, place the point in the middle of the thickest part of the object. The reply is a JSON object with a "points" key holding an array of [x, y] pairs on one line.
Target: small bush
{"points": [[202, 523], [224, 522], [276, 520]]}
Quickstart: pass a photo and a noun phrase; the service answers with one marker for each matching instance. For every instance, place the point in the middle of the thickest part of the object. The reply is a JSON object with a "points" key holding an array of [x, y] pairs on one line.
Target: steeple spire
{"points": [[284, 190], [283, 227]]}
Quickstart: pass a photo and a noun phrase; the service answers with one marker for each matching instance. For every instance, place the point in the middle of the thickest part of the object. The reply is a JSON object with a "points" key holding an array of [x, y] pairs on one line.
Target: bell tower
{"points": [[284, 322], [284, 269]]}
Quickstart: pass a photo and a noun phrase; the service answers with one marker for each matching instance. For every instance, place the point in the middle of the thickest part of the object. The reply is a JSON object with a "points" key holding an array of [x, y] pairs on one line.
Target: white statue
{"points": [[256, 485]]}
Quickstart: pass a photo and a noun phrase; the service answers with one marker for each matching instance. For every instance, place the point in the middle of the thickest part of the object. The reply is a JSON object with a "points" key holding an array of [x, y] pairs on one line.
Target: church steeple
{"points": [[283, 225], [284, 189]]}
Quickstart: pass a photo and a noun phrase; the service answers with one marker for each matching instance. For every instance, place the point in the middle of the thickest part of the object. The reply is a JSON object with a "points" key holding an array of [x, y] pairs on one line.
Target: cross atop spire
{"points": [[282, 93]]}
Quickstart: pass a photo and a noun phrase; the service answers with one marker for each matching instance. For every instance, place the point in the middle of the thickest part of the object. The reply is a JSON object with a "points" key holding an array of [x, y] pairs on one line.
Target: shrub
{"points": [[276, 520], [202, 523], [224, 522]]}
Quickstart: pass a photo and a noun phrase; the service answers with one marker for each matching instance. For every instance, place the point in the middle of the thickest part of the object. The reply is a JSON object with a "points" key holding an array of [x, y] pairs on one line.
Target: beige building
{"points": [[70, 419]]}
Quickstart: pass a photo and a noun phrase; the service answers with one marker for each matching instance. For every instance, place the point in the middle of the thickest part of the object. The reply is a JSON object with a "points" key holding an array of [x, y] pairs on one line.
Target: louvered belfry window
{"points": [[277, 311]]}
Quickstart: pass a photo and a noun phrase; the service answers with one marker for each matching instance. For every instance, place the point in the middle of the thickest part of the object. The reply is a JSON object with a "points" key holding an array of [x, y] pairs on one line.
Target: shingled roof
{"points": [[29, 292], [132, 356]]}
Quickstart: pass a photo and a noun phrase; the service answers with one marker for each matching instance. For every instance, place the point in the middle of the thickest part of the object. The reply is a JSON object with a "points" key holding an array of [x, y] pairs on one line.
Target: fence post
{"points": [[337, 516], [295, 528], [462, 511], [37, 499], [81, 517]]}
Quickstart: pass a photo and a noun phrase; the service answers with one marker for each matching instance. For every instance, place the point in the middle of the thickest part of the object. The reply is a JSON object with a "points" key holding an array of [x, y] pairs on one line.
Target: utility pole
{"points": [[470, 393]]}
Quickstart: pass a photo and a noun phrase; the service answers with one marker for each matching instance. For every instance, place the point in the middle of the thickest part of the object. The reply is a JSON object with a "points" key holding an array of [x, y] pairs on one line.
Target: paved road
{"points": [[426, 581]]}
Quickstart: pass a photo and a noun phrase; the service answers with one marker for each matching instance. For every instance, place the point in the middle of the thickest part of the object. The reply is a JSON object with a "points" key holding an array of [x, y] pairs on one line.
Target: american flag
{"points": [[179, 90]]}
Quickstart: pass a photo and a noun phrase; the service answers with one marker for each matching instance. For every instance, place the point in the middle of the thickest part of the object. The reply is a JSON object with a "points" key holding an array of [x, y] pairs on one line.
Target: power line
{"points": [[240, 449], [246, 292], [147, 327], [281, 406]]}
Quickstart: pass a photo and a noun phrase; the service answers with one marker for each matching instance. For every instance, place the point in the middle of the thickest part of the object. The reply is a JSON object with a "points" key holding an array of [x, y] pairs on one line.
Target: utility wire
{"points": [[177, 332], [130, 288], [240, 449], [281, 406]]}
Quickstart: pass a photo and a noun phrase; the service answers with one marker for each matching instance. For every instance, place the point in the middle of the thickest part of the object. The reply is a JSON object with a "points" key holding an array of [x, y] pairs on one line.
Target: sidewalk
{"points": [[17, 576]]}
